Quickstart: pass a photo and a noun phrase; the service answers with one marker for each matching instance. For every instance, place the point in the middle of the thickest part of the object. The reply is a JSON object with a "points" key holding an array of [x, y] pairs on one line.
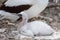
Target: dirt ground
{"points": [[51, 15]]}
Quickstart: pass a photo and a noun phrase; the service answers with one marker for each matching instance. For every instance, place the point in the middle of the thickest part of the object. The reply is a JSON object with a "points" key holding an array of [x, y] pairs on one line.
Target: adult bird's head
{"points": [[22, 20], [23, 17]]}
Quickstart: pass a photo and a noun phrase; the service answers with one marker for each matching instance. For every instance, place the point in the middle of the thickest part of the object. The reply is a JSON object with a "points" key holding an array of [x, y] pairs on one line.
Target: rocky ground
{"points": [[51, 15]]}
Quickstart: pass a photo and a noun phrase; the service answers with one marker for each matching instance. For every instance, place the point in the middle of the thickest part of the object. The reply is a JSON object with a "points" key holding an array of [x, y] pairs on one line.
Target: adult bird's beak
{"points": [[20, 18]]}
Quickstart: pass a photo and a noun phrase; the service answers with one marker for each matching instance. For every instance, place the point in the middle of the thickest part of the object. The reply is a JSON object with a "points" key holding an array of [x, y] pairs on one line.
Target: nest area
{"points": [[51, 15], [5, 22]]}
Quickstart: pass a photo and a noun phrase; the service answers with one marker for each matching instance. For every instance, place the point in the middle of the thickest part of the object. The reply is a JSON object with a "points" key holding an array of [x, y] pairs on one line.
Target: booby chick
{"points": [[34, 28]]}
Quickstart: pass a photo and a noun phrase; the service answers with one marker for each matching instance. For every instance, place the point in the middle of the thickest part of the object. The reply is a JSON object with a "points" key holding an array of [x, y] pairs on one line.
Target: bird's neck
{"points": [[24, 20]]}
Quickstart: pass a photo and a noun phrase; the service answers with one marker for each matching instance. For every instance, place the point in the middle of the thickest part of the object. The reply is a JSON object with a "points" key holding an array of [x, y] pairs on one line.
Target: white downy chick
{"points": [[26, 32], [40, 28], [35, 27]]}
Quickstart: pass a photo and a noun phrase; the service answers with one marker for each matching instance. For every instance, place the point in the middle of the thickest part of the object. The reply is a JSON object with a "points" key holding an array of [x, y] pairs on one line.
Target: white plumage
{"points": [[7, 15], [17, 2], [37, 6], [35, 27]]}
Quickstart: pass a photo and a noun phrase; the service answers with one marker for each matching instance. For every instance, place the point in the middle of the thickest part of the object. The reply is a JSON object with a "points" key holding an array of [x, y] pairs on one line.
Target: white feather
{"points": [[4, 14], [35, 27], [17, 2], [37, 6]]}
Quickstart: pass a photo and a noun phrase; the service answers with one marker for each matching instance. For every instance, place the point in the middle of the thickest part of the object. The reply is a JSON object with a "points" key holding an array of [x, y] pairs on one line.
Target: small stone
{"points": [[28, 38], [2, 37], [37, 38], [2, 30], [59, 14], [22, 37]]}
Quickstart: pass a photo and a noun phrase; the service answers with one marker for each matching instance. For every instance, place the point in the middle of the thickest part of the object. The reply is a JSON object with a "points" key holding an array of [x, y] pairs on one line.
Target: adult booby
{"points": [[31, 7]]}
